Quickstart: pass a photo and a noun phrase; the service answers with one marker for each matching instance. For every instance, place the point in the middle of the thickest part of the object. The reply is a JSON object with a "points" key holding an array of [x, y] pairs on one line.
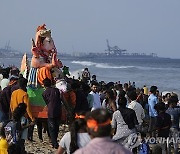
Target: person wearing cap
{"points": [[99, 128], [152, 101]]}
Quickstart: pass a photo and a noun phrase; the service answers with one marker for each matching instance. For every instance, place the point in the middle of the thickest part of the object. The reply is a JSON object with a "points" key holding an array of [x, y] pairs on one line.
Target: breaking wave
{"points": [[100, 65], [106, 65]]}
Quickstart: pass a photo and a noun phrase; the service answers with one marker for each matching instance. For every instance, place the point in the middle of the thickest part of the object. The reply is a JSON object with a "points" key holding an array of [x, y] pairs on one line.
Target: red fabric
{"points": [[39, 111]]}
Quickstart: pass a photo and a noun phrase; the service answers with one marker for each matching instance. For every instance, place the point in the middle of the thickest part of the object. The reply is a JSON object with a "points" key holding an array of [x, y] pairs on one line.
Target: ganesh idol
{"points": [[44, 57]]}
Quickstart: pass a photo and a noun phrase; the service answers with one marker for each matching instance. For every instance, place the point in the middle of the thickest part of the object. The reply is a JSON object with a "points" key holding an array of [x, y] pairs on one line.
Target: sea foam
{"points": [[100, 65]]}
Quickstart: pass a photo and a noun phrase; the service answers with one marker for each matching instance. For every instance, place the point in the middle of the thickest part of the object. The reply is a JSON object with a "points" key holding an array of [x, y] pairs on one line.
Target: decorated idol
{"points": [[44, 58]]}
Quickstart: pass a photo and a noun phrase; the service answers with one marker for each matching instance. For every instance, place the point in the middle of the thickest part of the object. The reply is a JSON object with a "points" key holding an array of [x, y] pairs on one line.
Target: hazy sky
{"points": [[84, 25]]}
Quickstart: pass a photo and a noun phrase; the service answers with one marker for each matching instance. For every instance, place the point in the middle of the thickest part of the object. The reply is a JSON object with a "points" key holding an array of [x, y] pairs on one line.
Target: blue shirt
{"points": [[152, 100]]}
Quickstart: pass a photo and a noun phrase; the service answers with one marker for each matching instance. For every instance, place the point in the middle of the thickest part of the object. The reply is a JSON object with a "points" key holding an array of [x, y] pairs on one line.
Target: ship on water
{"points": [[116, 53]]}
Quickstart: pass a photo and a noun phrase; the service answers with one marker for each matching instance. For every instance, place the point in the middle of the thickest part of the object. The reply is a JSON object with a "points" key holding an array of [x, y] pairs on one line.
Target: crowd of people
{"points": [[102, 117]]}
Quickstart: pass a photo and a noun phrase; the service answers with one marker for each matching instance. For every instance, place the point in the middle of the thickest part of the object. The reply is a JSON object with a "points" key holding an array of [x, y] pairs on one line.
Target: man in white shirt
{"points": [[5, 80], [96, 96], [136, 106]]}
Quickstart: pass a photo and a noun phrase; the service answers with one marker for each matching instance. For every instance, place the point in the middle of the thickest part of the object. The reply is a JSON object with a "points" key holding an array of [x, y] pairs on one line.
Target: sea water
{"points": [[164, 73]]}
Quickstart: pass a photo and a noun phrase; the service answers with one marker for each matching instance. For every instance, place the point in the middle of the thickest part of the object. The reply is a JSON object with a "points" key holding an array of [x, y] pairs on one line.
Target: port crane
{"points": [[115, 50]]}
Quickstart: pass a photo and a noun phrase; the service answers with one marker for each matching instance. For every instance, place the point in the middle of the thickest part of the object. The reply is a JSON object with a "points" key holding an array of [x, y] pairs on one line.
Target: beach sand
{"points": [[39, 147]]}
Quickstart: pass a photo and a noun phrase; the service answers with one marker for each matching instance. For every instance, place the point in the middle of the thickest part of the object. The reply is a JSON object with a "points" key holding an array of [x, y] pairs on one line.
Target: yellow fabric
{"points": [[145, 90], [3, 146], [20, 96]]}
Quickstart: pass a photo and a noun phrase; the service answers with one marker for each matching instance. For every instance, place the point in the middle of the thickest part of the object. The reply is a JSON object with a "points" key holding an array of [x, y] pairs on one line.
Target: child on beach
{"points": [[3, 142]]}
